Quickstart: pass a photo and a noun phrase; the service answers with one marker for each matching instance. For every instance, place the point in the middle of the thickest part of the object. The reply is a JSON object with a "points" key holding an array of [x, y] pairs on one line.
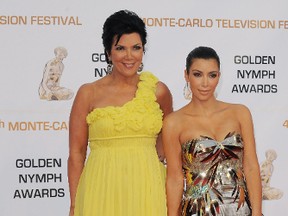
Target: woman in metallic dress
{"points": [[212, 165]]}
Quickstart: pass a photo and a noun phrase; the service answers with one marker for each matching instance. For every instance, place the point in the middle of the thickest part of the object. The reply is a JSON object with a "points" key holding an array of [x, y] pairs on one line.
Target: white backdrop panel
{"points": [[35, 131]]}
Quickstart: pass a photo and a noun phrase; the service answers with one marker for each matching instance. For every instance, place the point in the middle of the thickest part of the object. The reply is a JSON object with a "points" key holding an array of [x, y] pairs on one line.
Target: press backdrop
{"points": [[251, 38]]}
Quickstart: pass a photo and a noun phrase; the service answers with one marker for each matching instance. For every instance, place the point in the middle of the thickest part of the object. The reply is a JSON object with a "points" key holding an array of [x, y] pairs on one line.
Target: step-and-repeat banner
{"points": [[49, 48]]}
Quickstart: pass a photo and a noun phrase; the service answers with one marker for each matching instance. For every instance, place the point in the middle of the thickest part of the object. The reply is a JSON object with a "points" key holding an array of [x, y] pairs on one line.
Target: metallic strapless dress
{"points": [[214, 178]]}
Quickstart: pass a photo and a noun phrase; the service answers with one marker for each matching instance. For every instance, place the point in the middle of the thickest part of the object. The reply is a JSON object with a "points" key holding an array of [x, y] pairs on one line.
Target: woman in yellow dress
{"points": [[120, 116]]}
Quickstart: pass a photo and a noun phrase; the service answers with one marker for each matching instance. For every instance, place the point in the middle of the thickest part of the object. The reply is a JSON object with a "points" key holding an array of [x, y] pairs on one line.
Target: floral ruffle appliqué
{"points": [[141, 113]]}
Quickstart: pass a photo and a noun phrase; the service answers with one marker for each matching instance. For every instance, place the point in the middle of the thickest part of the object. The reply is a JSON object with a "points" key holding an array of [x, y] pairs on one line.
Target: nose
{"points": [[128, 53], [204, 81]]}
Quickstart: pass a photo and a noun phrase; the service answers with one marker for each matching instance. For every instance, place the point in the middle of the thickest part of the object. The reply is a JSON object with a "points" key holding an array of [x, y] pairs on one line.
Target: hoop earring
{"points": [[140, 67], [109, 69], [187, 91]]}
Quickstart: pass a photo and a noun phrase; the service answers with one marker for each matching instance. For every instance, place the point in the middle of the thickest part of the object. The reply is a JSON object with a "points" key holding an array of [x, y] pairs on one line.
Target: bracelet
{"points": [[164, 161]]}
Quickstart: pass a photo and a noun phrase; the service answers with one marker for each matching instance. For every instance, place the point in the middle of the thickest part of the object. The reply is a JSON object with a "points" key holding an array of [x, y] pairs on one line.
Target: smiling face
{"points": [[127, 54], [203, 76]]}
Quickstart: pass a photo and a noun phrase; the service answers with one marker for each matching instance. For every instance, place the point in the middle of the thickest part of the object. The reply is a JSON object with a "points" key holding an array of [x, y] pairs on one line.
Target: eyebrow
{"points": [[137, 44], [202, 71]]}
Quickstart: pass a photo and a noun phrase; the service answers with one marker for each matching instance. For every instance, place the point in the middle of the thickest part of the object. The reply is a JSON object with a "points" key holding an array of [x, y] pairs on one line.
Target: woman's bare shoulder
{"points": [[237, 107], [92, 86], [241, 108], [175, 116], [240, 111]]}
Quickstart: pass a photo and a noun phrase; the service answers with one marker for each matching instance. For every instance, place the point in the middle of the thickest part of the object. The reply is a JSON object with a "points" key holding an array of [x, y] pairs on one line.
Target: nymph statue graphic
{"points": [[267, 168], [50, 88]]}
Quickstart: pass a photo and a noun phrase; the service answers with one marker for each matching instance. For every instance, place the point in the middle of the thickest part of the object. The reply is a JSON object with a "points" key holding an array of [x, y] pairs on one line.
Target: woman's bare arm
{"points": [[174, 177], [78, 140], [251, 165]]}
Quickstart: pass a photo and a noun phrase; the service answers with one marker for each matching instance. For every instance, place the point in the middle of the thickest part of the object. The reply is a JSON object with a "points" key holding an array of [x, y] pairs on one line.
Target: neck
{"points": [[204, 107], [121, 80]]}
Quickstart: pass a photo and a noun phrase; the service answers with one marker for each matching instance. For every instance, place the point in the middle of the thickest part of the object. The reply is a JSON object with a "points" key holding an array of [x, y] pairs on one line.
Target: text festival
{"points": [[40, 20]]}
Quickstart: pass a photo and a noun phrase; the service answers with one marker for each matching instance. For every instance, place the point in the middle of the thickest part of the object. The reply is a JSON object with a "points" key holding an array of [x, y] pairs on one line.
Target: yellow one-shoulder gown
{"points": [[123, 175]]}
